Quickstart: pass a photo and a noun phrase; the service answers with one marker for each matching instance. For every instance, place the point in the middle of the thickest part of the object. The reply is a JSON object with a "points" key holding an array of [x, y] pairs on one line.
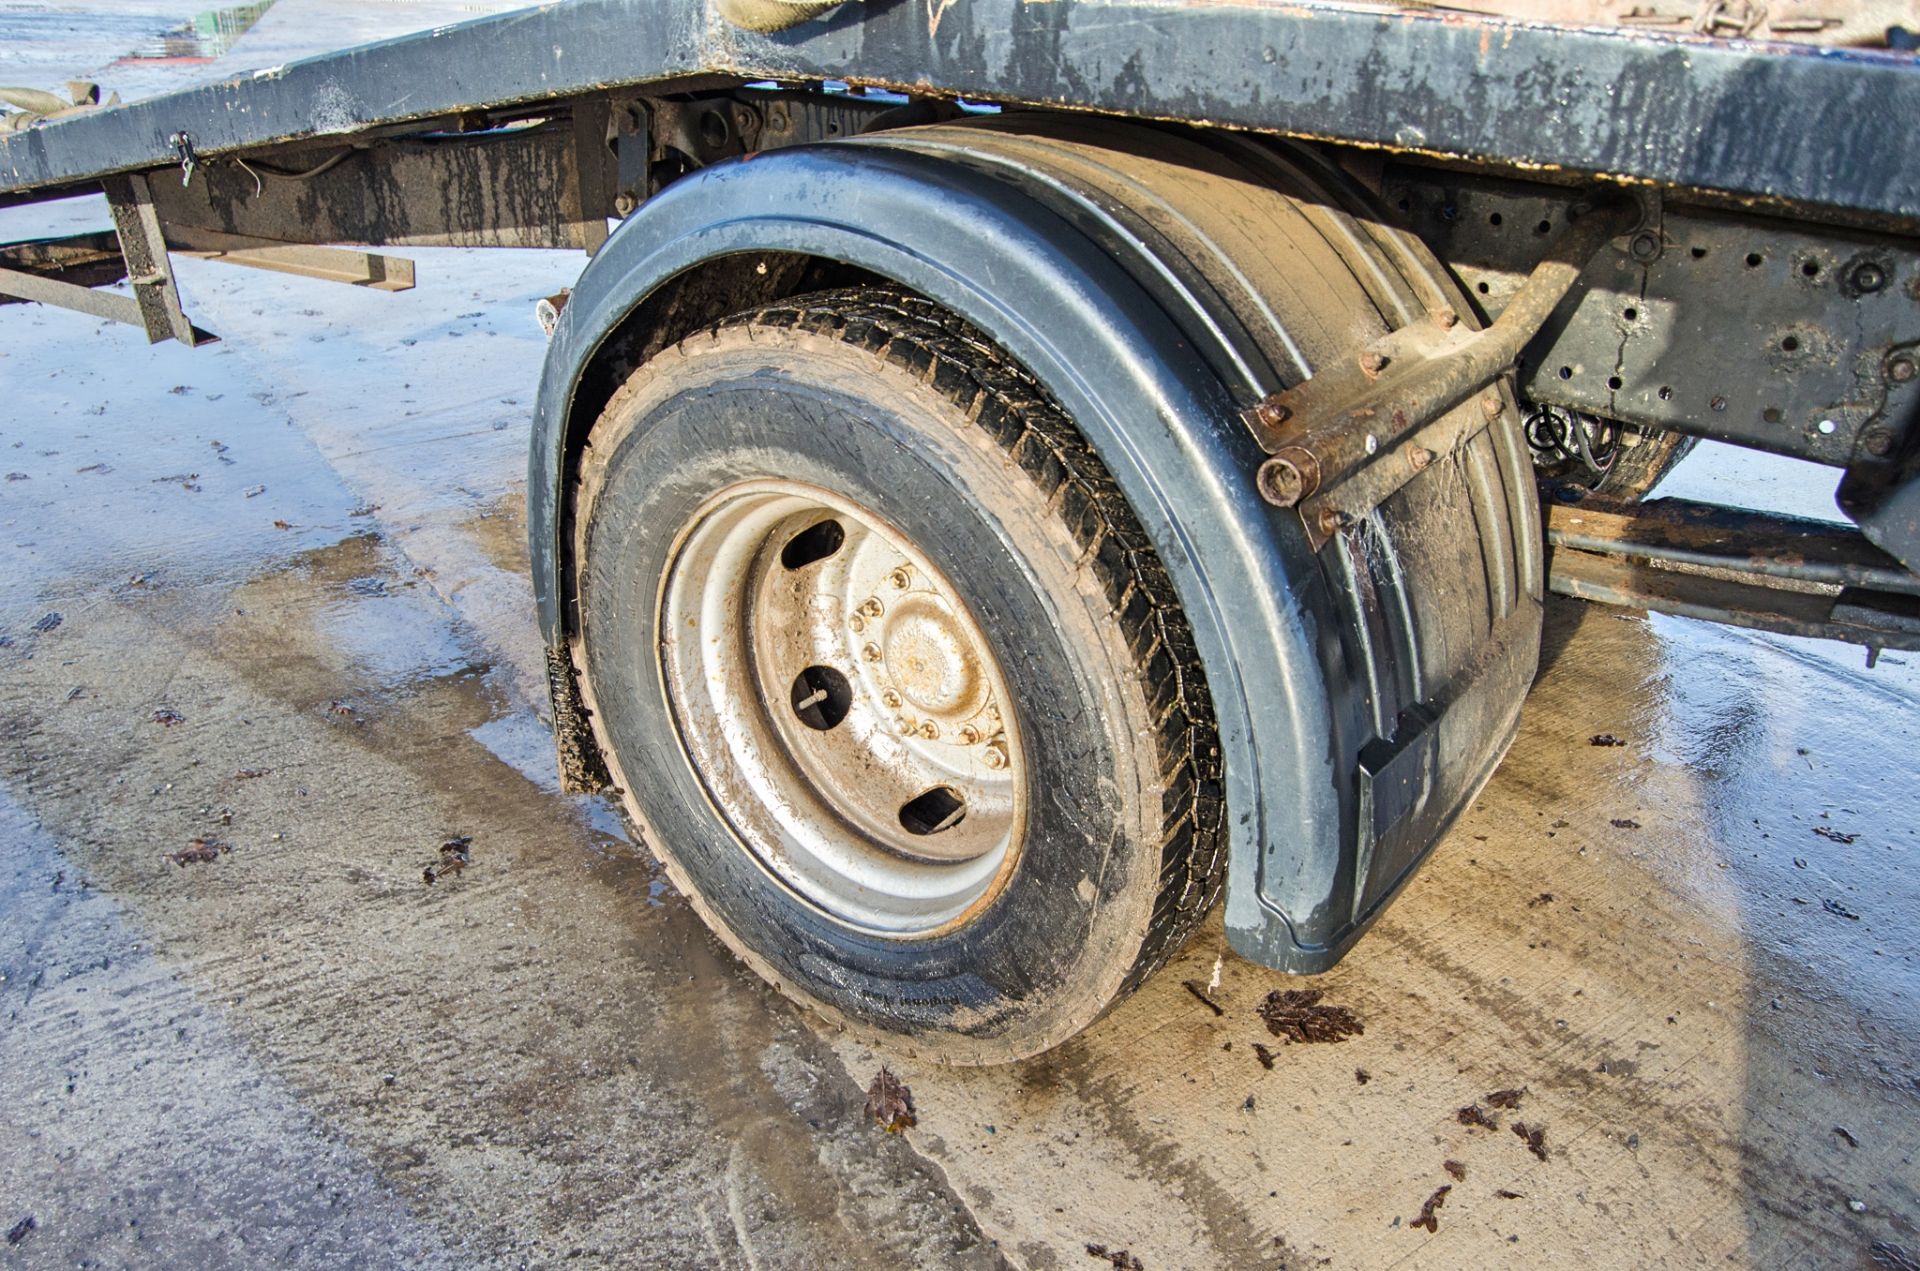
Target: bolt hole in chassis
{"points": [[1282, 295]]}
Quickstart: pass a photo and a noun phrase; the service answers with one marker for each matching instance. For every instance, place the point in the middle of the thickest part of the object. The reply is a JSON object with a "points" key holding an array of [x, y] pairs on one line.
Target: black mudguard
{"points": [[1362, 694]]}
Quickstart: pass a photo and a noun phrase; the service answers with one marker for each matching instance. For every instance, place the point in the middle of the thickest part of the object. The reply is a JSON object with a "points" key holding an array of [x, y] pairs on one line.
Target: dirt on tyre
{"points": [[891, 678]]}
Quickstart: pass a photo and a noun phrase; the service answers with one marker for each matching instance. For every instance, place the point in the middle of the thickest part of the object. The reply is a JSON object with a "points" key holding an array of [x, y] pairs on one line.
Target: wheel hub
{"points": [[842, 708]]}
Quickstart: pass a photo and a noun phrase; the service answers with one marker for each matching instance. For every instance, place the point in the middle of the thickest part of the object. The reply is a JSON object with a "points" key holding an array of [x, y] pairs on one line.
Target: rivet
{"points": [[1826, 427], [1490, 407], [1372, 363], [1419, 457]]}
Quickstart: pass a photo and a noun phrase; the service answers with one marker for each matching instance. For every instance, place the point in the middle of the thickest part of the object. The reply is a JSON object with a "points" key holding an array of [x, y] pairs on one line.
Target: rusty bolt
{"points": [[1372, 362], [891, 698], [900, 578], [1272, 413], [623, 204], [858, 623], [871, 652], [1420, 457], [1868, 276], [1645, 246], [1445, 318], [1877, 441], [1901, 368], [995, 756], [1491, 406], [1331, 521], [1283, 482], [872, 607], [929, 730], [969, 734]]}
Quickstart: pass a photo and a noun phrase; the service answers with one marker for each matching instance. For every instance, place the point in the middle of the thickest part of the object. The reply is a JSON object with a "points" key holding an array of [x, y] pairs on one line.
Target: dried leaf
{"points": [[1508, 1099], [1121, 1259], [1504, 1194], [890, 1102], [1298, 1016], [1455, 1168], [455, 854], [1362, 1076], [1264, 1055], [1604, 739], [1426, 1218], [198, 852], [1535, 1139], [1624, 823], [1472, 1115], [1832, 835], [248, 774]]}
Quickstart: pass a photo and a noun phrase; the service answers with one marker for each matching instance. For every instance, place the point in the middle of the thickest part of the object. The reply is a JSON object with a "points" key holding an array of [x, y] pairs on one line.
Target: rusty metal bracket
{"points": [[1346, 439], [143, 244]]}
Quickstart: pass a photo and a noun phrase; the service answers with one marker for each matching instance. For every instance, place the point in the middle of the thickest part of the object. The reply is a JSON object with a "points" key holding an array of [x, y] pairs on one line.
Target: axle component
{"points": [[1748, 569]]}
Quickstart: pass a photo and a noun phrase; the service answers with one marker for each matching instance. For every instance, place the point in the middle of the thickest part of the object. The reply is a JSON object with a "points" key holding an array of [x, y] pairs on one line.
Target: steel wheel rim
{"points": [[842, 709]]}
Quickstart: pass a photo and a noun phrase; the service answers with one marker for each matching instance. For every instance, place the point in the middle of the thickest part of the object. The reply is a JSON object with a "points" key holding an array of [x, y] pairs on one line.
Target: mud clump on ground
{"points": [[1298, 1016], [890, 1102]]}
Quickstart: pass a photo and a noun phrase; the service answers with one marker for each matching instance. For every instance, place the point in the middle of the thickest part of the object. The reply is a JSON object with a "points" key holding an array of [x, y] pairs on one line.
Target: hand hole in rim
{"points": [[821, 696], [940, 808], [815, 543]]}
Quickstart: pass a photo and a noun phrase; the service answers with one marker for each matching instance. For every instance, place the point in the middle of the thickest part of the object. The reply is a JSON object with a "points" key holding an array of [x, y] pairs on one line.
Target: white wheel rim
{"points": [[842, 709]]}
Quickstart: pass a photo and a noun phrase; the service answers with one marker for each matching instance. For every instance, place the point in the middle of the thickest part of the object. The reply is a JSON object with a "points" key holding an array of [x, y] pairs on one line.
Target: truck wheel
{"points": [[890, 677]]}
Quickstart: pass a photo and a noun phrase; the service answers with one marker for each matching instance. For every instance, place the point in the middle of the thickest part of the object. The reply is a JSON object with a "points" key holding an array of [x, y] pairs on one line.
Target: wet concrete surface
{"points": [[1696, 953]]}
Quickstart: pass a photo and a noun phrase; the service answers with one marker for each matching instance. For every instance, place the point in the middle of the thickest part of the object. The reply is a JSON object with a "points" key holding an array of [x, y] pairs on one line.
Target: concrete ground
{"points": [[272, 593]]}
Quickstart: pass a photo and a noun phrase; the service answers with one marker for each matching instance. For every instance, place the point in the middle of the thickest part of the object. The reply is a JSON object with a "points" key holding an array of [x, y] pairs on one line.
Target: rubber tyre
{"points": [[889, 402]]}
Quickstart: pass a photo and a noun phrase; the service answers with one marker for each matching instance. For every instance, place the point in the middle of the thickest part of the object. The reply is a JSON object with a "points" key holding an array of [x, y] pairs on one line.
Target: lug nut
{"points": [[872, 608], [871, 652], [891, 698], [969, 734], [900, 578], [930, 730], [995, 756]]}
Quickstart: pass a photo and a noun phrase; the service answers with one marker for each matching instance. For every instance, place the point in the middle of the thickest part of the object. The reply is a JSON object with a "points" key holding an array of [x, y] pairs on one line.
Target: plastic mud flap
{"points": [[1157, 283]]}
